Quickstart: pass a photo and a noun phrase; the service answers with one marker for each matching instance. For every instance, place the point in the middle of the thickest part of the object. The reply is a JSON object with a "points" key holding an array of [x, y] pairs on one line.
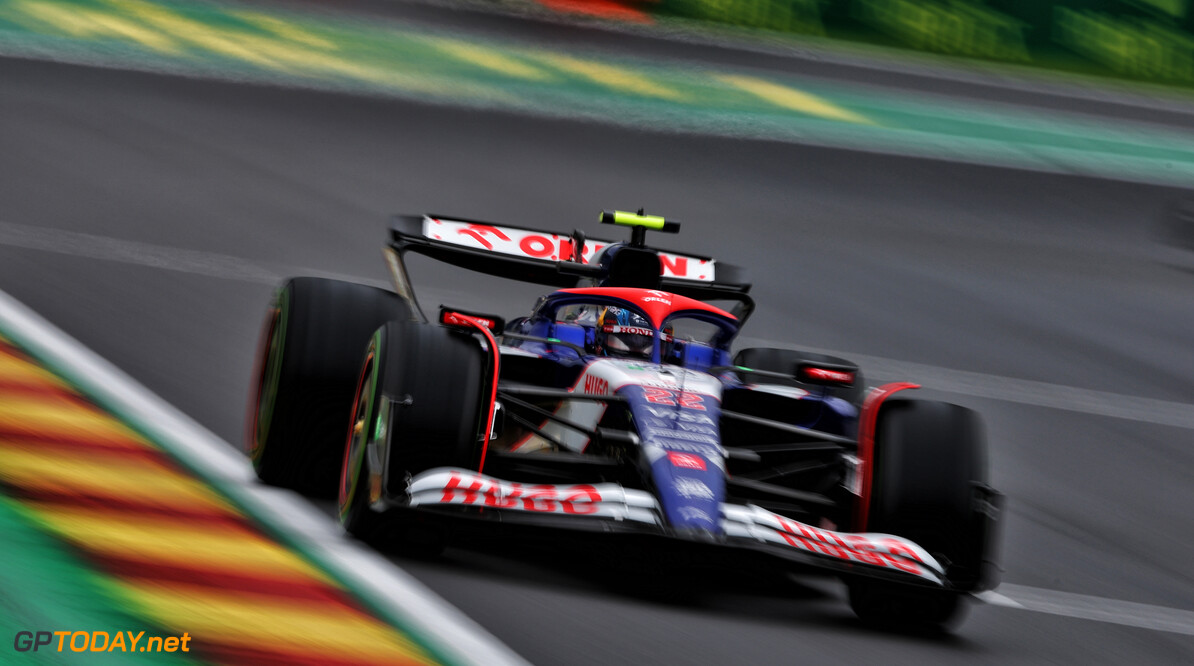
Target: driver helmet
{"points": [[621, 332]]}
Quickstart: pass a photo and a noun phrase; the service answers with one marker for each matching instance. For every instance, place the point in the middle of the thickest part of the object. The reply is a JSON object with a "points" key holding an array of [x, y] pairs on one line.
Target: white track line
{"points": [[1085, 607], [976, 384], [380, 582], [1037, 394], [137, 253], [91, 246], [1010, 389]]}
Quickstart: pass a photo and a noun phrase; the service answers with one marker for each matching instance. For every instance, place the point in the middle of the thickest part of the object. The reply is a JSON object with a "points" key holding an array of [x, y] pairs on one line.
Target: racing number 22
{"points": [[662, 396]]}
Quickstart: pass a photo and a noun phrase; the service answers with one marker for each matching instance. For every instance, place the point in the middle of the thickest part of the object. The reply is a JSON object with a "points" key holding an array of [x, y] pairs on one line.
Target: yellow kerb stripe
{"points": [[223, 43], [231, 620], [17, 370], [88, 23], [286, 30], [166, 542], [27, 442], [287, 56], [611, 76], [793, 99], [490, 59], [33, 416], [136, 480]]}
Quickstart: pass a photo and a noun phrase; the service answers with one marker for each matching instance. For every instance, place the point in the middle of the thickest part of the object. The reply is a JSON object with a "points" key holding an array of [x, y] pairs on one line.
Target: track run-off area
{"points": [[148, 215], [327, 51]]}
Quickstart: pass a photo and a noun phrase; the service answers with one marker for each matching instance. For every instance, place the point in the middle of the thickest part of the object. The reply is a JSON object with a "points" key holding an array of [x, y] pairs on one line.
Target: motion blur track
{"points": [[264, 44], [176, 202]]}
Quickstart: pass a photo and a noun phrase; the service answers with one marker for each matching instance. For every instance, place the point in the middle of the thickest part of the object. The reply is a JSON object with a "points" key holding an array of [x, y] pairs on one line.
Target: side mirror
{"points": [[826, 374]]}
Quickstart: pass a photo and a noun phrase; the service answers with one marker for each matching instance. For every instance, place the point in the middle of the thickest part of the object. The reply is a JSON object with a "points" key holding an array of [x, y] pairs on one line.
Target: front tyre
{"points": [[893, 606], [357, 488], [929, 485], [306, 372], [421, 402]]}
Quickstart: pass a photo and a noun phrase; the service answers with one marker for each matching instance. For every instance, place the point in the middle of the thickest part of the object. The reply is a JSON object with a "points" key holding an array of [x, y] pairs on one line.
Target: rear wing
{"points": [[553, 259]]}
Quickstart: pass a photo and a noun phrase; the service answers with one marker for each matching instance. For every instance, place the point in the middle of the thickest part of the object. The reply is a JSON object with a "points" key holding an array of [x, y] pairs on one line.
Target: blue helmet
{"points": [[621, 332]]}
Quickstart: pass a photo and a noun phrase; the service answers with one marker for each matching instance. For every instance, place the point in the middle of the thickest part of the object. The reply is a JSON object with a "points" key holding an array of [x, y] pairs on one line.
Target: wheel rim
{"points": [[357, 436], [267, 388]]}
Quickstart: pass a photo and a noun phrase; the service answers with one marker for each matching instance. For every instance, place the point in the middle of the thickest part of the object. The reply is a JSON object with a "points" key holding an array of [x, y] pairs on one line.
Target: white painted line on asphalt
{"points": [[996, 599], [92, 246], [1099, 609], [137, 253], [1010, 389], [387, 587], [1039, 394]]}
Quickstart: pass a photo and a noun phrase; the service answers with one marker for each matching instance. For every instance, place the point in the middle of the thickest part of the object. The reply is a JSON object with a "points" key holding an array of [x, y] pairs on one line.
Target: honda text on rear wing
{"points": [[563, 260]]}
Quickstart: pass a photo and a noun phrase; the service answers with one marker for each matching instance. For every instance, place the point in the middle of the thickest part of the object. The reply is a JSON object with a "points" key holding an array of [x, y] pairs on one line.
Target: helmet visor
{"points": [[628, 341]]}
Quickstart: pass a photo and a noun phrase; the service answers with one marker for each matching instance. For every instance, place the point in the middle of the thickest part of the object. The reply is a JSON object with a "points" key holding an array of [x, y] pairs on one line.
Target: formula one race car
{"points": [[616, 407]]}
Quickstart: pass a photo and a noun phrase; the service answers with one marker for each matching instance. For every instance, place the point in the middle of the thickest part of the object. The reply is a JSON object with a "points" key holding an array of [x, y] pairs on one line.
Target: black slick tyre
{"points": [[421, 399], [929, 471], [306, 371]]}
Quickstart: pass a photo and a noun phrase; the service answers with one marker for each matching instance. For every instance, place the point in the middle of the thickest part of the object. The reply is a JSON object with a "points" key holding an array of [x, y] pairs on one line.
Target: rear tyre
{"points": [[421, 398], [929, 471], [306, 372]]}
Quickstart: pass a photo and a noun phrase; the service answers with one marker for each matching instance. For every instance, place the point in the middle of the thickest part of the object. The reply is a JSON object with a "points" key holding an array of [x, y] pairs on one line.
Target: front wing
{"points": [[609, 505]]}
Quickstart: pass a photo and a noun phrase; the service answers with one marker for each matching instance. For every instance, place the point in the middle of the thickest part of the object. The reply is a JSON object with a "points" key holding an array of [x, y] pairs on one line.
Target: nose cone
{"points": [[682, 445], [691, 496]]}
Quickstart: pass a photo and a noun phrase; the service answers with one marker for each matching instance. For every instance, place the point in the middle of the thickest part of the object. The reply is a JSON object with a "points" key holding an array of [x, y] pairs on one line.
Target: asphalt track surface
{"points": [[1006, 274]]}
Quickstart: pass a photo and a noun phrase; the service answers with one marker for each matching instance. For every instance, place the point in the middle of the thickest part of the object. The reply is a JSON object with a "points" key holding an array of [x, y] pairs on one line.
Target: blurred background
{"points": [[987, 198], [1134, 39]]}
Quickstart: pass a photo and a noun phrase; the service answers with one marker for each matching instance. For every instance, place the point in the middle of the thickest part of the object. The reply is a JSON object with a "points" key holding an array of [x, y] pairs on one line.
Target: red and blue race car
{"points": [[617, 406]]}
